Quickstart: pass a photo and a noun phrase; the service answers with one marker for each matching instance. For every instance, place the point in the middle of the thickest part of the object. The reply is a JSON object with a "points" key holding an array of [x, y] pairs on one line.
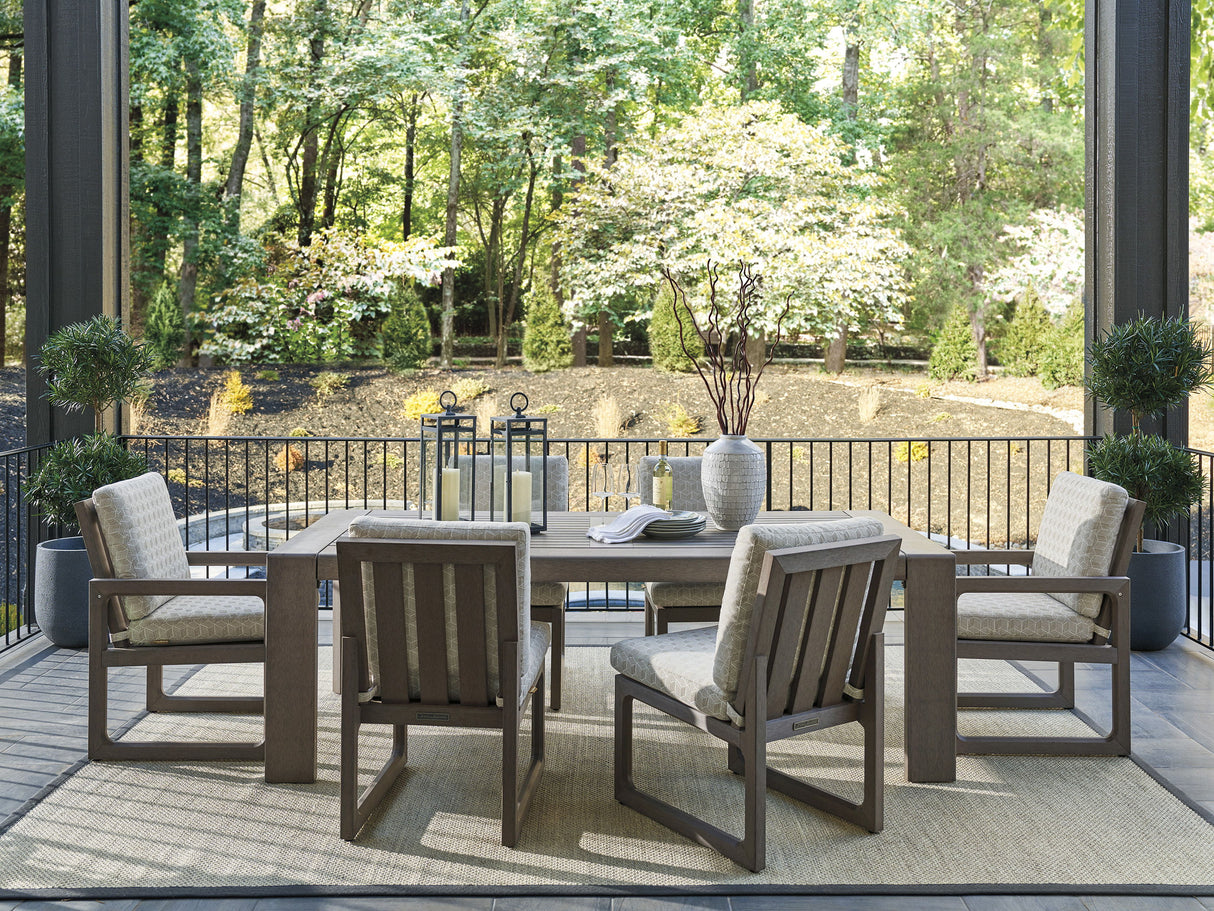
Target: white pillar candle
{"points": [[520, 497], [450, 494], [499, 493]]}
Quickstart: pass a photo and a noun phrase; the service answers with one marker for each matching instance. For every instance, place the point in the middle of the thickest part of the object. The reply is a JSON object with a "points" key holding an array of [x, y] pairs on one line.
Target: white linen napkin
{"points": [[627, 525]]}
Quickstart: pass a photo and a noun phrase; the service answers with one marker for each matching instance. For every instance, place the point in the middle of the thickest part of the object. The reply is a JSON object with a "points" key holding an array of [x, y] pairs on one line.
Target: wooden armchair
{"points": [[145, 610], [457, 593], [798, 649], [1074, 606]]}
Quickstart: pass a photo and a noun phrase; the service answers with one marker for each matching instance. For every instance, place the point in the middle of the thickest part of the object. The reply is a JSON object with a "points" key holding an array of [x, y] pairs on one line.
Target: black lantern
{"points": [[445, 437], [519, 485]]}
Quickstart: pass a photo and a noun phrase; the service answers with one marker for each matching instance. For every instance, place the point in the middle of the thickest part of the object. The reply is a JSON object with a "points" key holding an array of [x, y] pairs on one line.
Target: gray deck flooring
{"points": [[42, 738]]}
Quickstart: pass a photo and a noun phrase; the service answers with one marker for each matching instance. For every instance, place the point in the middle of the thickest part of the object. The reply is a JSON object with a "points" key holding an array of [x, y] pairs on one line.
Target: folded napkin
{"points": [[627, 525]]}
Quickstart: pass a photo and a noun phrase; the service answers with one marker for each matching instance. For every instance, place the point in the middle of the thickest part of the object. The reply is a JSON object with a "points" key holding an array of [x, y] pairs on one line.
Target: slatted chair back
{"points": [[99, 561], [815, 614], [436, 620]]}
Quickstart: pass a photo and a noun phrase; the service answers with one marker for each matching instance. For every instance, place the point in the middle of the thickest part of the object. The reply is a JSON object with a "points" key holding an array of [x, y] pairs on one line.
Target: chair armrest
{"points": [[993, 557], [226, 557], [105, 588], [1105, 585]]}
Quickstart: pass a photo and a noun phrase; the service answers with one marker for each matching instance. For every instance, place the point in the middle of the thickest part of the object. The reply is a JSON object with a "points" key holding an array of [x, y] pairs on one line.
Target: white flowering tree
{"points": [[1047, 257], [743, 183]]}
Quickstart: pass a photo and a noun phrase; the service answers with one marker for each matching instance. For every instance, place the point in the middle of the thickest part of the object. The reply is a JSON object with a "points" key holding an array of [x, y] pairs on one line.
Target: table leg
{"points": [[931, 668], [291, 675]]}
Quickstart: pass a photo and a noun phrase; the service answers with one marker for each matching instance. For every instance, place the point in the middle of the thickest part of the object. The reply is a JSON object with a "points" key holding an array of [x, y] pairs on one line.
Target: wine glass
{"points": [[600, 477], [624, 481]]}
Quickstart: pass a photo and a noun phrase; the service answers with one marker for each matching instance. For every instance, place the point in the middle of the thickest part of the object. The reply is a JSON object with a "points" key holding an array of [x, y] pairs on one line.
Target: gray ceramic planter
{"points": [[734, 478], [1157, 595], [61, 591]]}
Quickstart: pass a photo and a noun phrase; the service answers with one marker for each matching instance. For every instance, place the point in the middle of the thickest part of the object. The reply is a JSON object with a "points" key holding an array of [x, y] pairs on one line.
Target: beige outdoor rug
{"points": [[1006, 820]]}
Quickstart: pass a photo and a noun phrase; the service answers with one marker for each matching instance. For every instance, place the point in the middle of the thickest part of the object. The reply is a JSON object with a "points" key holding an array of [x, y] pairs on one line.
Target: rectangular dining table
{"points": [[563, 553]]}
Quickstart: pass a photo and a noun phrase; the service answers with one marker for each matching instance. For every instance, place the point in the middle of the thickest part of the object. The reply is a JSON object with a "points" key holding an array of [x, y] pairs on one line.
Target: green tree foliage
{"points": [[546, 344], [1062, 361], [73, 469], [1022, 345], [954, 354], [92, 365], [164, 328], [406, 334], [664, 345]]}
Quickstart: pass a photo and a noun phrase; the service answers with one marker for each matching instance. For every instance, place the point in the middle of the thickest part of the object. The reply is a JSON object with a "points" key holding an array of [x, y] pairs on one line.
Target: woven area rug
{"points": [[195, 828]]}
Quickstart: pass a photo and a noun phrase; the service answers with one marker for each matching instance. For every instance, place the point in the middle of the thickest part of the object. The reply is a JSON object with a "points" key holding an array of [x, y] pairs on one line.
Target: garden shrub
{"points": [[1028, 332], [679, 422], [406, 333], [469, 388], [164, 328], [1062, 355], [546, 338], [328, 383], [424, 401], [916, 451], [664, 344], [288, 459], [954, 354], [236, 394]]}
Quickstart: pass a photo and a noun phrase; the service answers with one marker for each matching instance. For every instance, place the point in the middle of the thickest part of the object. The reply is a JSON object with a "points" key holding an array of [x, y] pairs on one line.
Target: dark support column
{"points": [[76, 180], [1137, 174]]}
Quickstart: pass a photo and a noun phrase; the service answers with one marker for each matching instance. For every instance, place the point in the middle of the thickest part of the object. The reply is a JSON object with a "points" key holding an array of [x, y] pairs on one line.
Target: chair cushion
{"points": [[548, 594], [1020, 617], [539, 638], [679, 665], [685, 594], [141, 536], [742, 583], [1078, 533], [685, 475], [556, 467], [195, 619], [423, 530]]}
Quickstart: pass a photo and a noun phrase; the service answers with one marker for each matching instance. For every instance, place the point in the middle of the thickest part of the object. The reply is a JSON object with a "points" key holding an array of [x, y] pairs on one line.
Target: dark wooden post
{"points": [[77, 246], [1137, 207]]}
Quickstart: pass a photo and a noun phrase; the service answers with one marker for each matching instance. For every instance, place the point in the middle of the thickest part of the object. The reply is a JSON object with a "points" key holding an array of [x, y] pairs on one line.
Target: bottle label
{"points": [[663, 492]]}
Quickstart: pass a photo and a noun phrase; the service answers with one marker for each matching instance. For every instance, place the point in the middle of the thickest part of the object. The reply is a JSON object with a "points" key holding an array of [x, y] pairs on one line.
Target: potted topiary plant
{"points": [[94, 365], [1145, 367]]}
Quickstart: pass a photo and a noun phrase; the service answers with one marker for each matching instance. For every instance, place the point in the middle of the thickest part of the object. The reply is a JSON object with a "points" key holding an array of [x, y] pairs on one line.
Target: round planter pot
{"points": [[61, 591], [1157, 595], [734, 477]]}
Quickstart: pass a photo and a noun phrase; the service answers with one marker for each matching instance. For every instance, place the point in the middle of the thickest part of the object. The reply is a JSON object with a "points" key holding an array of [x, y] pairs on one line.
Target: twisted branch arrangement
{"points": [[733, 378]]}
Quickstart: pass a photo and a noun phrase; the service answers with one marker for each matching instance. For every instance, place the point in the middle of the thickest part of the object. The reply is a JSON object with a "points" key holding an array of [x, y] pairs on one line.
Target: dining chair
{"points": [[798, 649], [678, 602], [145, 610], [436, 631], [1072, 606], [547, 598]]}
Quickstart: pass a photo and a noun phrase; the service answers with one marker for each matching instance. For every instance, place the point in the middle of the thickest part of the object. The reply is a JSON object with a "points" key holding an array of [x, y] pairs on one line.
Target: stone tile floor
{"points": [[42, 737]]}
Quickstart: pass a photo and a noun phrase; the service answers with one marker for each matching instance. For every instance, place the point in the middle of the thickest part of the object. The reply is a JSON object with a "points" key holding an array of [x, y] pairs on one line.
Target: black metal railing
{"points": [[980, 492], [22, 534]]}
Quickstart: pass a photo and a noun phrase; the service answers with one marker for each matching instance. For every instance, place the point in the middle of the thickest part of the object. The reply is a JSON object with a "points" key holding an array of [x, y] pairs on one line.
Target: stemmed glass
{"points": [[625, 477], [600, 477]]}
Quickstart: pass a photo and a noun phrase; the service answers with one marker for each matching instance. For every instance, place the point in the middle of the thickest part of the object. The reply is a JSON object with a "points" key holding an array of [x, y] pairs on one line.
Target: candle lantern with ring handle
{"points": [[519, 484], [445, 437]]}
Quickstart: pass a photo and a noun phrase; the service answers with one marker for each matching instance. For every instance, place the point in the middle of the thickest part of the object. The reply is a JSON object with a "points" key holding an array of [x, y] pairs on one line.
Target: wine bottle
{"points": [[663, 481]]}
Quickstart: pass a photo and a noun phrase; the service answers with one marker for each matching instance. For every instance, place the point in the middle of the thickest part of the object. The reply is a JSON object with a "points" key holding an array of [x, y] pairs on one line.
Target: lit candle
{"points": [[450, 494], [520, 497]]}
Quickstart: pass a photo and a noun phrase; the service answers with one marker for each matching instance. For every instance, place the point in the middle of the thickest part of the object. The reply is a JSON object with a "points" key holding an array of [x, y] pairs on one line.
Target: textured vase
{"points": [[734, 478], [1158, 602]]}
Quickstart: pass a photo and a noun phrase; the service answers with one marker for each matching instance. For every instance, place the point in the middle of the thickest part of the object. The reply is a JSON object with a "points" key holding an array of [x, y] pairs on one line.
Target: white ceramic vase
{"points": [[734, 477]]}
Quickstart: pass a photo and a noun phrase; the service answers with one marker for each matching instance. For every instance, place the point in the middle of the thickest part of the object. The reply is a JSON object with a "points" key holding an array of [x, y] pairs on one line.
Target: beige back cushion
{"points": [[1078, 533], [684, 472], [422, 530], [140, 532], [742, 583], [556, 469]]}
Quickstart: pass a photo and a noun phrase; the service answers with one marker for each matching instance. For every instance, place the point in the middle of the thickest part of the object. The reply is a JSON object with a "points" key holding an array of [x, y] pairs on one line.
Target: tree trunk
{"points": [[756, 347], [154, 248], [331, 159], [577, 154], [851, 78], [188, 281], [234, 185], [6, 225], [517, 279], [978, 322], [746, 59], [606, 355], [310, 140], [406, 214], [836, 351], [450, 234]]}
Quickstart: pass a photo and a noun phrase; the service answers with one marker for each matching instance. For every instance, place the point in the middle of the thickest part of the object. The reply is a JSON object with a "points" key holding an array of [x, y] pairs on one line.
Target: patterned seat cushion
{"points": [[742, 583], [556, 469], [1020, 617], [423, 530], [684, 473], [195, 619], [685, 594], [1078, 532], [141, 536], [679, 665], [548, 594]]}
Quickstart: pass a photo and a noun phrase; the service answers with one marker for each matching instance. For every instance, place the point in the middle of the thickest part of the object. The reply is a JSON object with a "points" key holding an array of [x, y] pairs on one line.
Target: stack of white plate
{"points": [[680, 525]]}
